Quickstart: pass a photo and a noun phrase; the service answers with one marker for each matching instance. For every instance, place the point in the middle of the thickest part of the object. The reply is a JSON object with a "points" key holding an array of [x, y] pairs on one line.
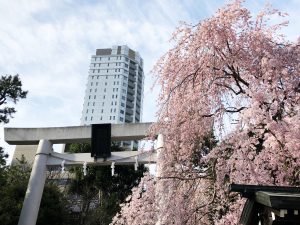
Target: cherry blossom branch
{"points": [[230, 88], [227, 110], [183, 178], [185, 79]]}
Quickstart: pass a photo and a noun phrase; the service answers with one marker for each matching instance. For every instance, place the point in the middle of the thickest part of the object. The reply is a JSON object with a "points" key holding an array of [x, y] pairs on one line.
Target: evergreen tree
{"points": [[3, 157], [99, 193], [52, 209], [14, 178], [10, 91]]}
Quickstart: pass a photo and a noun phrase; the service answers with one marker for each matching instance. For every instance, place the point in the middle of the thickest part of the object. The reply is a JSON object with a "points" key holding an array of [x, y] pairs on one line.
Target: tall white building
{"points": [[114, 89]]}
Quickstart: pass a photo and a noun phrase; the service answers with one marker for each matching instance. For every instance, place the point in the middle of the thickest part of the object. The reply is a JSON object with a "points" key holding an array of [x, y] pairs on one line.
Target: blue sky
{"points": [[49, 43]]}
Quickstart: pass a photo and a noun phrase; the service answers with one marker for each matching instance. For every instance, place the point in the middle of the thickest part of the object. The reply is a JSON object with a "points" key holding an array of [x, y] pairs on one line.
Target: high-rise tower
{"points": [[114, 90]]}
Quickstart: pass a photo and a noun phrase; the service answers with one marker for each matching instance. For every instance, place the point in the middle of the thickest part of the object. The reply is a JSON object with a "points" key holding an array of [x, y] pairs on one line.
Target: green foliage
{"points": [[99, 186], [52, 210], [106, 211], [3, 156], [10, 91], [203, 146], [12, 196], [13, 179], [3, 167]]}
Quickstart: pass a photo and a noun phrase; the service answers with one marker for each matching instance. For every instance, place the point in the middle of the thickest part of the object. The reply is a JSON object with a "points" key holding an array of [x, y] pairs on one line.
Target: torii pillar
{"points": [[46, 137]]}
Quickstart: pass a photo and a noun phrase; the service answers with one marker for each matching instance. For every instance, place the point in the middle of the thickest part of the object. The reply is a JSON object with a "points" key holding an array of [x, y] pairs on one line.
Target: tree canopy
{"points": [[10, 91], [232, 66], [99, 194], [14, 178], [53, 208]]}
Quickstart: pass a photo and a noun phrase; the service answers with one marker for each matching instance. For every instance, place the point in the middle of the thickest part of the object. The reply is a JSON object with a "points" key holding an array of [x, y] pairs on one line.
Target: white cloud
{"points": [[49, 43]]}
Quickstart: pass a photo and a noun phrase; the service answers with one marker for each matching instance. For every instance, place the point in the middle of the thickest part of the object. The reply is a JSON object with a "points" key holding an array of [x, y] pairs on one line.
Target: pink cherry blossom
{"points": [[232, 64]]}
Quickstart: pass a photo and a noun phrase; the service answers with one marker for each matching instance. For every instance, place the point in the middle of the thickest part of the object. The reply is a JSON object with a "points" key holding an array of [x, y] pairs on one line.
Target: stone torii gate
{"points": [[45, 156]]}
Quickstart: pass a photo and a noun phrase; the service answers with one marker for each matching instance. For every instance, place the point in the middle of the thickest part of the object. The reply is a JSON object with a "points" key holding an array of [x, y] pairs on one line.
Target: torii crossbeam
{"points": [[46, 137]]}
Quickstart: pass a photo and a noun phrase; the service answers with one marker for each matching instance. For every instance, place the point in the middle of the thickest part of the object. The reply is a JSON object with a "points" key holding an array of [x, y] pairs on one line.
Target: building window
{"points": [[122, 111], [106, 77], [108, 58], [105, 83], [115, 103], [86, 118], [87, 111], [89, 97], [91, 118], [116, 96], [96, 83], [90, 90], [104, 89], [95, 89], [92, 110], [113, 117], [93, 103], [101, 118], [112, 103], [115, 110], [122, 104], [94, 96], [102, 103], [103, 96], [107, 64], [111, 110], [101, 110], [91, 83], [110, 117], [123, 98], [88, 103], [121, 119], [107, 71]]}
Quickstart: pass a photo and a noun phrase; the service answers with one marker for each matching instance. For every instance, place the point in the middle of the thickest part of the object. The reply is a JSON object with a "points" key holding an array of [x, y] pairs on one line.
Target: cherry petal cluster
{"points": [[232, 67], [139, 208]]}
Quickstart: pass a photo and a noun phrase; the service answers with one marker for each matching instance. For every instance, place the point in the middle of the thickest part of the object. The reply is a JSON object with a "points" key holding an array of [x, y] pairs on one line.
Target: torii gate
{"points": [[46, 137]]}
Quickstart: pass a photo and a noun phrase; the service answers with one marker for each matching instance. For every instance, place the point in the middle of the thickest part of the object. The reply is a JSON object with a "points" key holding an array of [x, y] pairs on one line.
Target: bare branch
{"points": [[184, 178]]}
